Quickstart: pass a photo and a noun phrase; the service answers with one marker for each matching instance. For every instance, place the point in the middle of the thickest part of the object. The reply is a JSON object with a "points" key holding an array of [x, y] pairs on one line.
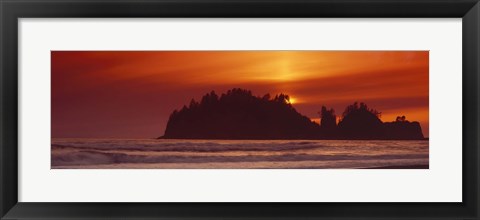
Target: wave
{"points": [[94, 157], [228, 146], [193, 146], [128, 153]]}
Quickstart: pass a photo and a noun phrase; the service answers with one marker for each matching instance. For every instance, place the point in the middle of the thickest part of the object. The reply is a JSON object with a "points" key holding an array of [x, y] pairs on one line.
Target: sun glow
{"points": [[292, 100]]}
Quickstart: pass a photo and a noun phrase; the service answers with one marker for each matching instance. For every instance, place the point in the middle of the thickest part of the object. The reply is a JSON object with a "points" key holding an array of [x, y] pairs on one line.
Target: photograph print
{"points": [[239, 109]]}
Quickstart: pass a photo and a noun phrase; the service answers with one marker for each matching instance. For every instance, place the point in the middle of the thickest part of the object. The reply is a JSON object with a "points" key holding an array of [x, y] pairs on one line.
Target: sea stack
{"points": [[239, 115]]}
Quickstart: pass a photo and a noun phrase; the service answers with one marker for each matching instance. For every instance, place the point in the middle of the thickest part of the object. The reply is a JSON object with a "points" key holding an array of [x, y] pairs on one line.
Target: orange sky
{"points": [[128, 94]]}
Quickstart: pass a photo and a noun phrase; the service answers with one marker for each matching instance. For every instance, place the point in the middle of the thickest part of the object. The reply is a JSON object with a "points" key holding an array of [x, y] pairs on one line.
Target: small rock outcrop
{"points": [[402, 129]]}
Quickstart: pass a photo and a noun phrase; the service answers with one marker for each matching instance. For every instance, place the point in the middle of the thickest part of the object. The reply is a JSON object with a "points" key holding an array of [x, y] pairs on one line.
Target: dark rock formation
{"points": [[360, 122], [328, 124], [401, 129], [240, 115]]}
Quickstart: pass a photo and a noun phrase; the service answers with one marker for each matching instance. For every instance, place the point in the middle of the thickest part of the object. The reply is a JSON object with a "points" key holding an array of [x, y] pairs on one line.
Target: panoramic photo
{"points": [[239, 109]]}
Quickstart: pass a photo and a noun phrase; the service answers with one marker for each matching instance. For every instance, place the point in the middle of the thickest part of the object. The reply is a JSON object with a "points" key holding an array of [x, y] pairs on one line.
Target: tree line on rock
{"points": [[237, 114]]}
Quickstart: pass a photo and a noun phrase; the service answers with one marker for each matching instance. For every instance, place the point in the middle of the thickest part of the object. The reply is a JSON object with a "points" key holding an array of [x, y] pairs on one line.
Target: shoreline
{"points": [[418, 166], [280, 139], [231, 166]]}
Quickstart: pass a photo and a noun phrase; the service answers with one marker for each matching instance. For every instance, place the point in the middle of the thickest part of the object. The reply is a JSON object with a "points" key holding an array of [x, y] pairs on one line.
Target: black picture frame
{"points": [[12, 10]]}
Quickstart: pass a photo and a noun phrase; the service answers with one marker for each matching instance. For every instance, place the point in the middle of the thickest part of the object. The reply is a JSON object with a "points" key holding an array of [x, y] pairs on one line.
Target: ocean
{"points": [[237, 154]]}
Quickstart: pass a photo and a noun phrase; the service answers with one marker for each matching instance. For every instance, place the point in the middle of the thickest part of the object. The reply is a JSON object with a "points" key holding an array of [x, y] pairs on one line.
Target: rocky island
{"points": [[239, 115]]}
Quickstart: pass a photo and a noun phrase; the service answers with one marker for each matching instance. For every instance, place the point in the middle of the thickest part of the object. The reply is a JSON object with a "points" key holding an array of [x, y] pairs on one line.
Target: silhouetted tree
{"points": [[355, 107], [401, 119], [328, 123], [193, 104], [266, 97], [361, 122]]}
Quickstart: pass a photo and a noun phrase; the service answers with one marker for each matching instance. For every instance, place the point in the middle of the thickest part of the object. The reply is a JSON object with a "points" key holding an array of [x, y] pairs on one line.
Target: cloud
{"points": [[140, 89]]}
